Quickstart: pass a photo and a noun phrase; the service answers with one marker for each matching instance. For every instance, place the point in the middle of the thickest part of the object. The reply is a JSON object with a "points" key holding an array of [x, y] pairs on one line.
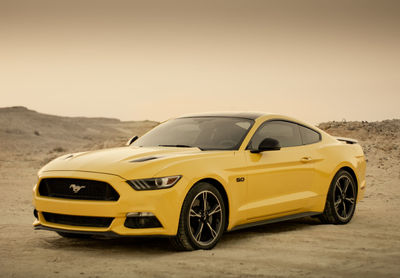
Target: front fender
{"points": [[196, 170]]}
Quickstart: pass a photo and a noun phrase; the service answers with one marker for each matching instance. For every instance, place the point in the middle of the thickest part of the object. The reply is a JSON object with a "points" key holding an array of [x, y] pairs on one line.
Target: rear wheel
{"points": [[202, 219], [341, 200]]}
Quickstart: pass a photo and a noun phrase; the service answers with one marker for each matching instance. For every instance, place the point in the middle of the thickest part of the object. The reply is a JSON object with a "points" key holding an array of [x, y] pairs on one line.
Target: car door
{"points": [[279, 182]]}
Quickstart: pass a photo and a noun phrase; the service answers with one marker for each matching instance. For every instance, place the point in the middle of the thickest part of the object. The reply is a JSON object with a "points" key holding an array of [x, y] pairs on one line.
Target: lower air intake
{"points": [[74, 220]]}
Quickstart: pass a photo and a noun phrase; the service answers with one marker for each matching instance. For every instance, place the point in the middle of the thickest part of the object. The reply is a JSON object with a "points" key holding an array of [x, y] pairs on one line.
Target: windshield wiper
{"points": [[180, 146]]}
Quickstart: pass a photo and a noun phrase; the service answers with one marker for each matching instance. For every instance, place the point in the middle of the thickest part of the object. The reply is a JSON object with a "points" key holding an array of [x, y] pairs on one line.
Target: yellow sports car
{"points": [[194, 177]]}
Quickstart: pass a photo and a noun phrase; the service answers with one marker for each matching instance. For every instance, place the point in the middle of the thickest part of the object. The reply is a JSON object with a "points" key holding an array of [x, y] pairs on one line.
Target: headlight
{"points": [[154, 183]]}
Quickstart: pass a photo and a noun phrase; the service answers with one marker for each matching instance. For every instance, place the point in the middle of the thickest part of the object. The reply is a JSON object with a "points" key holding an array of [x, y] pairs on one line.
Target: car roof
{"points": [[252, 115], [234, 114]]}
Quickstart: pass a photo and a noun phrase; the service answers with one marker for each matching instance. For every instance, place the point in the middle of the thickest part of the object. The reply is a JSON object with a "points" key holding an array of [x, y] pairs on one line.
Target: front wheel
{"points": [[202, 219], [341, 200]]}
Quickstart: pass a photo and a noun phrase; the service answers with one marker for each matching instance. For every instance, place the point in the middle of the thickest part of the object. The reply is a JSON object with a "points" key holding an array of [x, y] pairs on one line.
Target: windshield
{"points": [[206, 133]]}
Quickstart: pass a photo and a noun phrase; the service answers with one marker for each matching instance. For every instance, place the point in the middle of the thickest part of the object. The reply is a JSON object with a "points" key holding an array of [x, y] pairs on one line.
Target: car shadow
{"points": [[161, 245], [272, 228], [149, 245]]}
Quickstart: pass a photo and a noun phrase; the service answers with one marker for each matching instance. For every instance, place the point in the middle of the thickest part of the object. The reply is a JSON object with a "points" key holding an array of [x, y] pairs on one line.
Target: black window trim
{"points": [[289, 121]]}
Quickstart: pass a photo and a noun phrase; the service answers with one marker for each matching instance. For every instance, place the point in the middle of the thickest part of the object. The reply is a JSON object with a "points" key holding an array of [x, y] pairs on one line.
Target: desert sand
{"points": [[367, 247]]}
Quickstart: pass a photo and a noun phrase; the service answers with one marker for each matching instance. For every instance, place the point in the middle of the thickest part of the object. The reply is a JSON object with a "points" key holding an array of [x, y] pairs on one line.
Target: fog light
{"points": [[35, 213], [141, 220]]}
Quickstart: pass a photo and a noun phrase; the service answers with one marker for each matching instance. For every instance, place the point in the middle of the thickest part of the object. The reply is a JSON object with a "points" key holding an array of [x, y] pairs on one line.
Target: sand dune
{"points": [[369, 246]]}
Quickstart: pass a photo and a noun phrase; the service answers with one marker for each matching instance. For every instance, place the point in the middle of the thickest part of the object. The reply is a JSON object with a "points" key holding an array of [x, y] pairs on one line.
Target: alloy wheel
{"points": [[344, 197], [205, 218]]}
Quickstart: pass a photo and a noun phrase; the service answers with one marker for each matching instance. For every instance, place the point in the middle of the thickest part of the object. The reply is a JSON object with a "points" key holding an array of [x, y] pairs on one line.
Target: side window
{"points": [[288, 134], [309, 136]]}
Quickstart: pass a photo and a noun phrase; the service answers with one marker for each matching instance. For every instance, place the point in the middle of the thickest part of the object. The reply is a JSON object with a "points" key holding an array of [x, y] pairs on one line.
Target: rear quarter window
{"points": [[309, 136]]}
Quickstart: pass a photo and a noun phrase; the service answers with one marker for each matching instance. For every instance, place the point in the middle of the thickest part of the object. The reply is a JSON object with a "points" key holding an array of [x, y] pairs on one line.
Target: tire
{"points": [[202, 219], [73, 235], [341, 200]]}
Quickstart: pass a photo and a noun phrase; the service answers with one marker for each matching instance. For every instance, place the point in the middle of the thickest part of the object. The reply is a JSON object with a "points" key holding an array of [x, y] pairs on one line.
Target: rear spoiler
{"points": [[347, 140]]}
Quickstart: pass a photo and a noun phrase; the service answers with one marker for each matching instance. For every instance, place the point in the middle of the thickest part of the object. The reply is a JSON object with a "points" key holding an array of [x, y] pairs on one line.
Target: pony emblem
{"points": [[76, 188]]}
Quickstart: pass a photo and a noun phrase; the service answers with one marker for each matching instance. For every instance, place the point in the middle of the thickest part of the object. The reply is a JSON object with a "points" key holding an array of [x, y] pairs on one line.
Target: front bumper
{"points": [[165, 204]]}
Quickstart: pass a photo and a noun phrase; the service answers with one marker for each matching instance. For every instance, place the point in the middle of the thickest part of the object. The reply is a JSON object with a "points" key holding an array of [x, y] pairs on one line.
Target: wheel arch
{"points": [[218, 185], [342, 166], [351, 172]]}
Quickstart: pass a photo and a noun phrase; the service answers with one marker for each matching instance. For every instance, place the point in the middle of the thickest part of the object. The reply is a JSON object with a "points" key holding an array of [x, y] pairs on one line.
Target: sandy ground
{"points": [[367, 247]]}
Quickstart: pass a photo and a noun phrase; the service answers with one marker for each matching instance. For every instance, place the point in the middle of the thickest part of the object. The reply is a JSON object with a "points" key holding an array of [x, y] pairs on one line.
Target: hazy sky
{"points": [[133, 60]]}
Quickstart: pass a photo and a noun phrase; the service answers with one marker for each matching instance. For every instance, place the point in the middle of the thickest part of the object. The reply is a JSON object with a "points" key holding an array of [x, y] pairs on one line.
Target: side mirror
{"points": [[268, 144], [130, 141]]}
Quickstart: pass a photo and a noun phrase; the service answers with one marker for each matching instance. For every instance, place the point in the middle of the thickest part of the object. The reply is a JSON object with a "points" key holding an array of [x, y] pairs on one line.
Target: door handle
{"points": [[306, 159]]}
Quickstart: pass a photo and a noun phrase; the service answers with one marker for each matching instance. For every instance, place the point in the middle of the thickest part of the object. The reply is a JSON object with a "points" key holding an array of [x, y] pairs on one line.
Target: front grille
{"points": [[74, 220], [77, 189]]}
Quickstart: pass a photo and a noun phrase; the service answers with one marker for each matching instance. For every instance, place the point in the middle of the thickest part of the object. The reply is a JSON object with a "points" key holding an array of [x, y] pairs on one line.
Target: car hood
{"points": [[123, 161]]}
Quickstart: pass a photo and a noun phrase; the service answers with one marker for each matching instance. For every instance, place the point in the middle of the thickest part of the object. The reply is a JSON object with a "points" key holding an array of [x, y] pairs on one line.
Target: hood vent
{"points": [[69, 156], [145, 159]]}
